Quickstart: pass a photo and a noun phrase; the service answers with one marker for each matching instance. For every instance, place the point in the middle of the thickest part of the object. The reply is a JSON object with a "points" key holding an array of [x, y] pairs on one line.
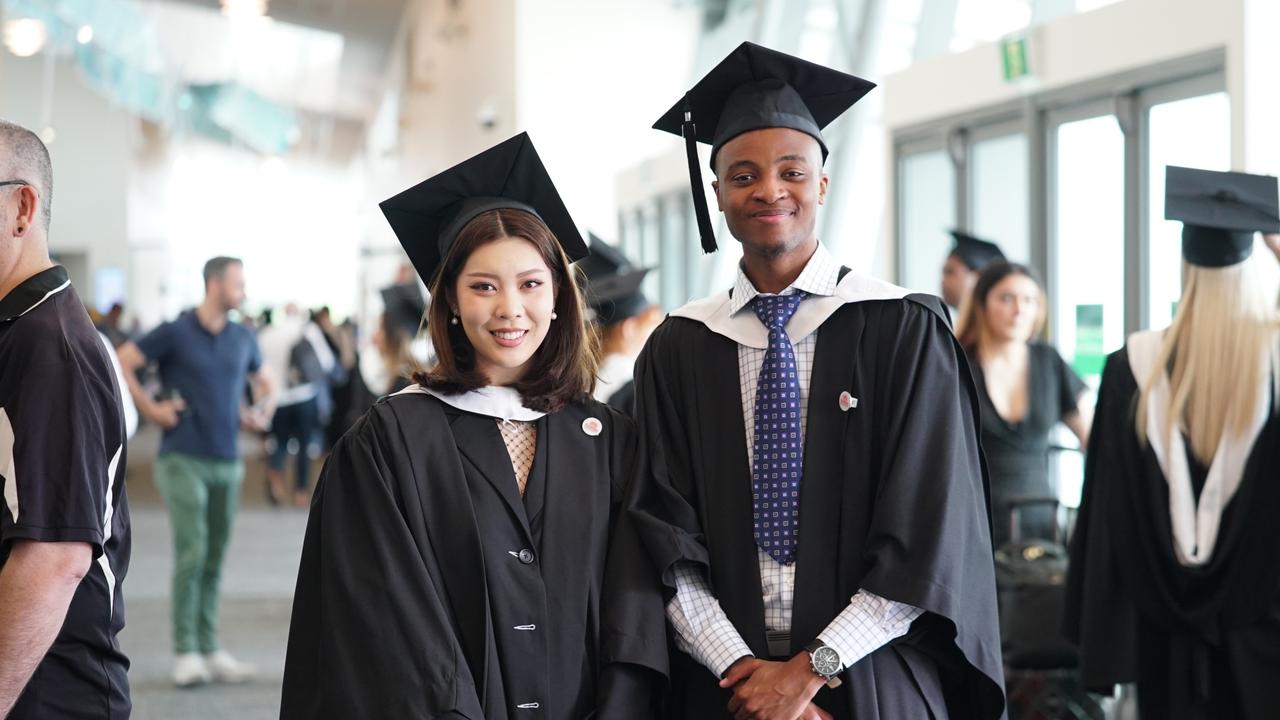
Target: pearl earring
{"points": [[454, 321], [554, 316]]}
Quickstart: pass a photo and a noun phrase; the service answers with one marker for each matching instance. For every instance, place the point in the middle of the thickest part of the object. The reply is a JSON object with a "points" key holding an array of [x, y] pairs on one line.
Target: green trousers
{"points": [[202, 495]]}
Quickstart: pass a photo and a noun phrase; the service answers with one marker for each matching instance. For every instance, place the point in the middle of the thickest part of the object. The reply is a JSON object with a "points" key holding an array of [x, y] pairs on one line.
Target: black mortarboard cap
{"points": [[1220, 212], [604, 259], [428, 216], [974, 252], [613, 284], [754, 88], [615, 298], [404, 306]]}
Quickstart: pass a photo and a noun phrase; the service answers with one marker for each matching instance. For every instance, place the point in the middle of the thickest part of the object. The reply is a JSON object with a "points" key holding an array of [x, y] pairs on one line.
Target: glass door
{"points": [[926, 211], [1086, 256], [1191, 132], [998, 183]]}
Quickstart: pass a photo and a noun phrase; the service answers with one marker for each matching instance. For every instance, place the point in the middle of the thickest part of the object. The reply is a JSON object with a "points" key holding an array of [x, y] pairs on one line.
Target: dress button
{"points": [[526, 556]]}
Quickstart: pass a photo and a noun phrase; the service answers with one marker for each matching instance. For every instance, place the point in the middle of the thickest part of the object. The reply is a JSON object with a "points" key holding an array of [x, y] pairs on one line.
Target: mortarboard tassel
{"points": [[689, 131]]}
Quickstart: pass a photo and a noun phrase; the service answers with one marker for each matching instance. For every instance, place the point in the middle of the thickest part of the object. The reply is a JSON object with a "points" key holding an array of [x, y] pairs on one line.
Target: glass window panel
{"points": [[1195, 132], [999, 196], [633, 234], [926, 212], [1089, 229], [1088, 226], [651, 248], [669, 271]]}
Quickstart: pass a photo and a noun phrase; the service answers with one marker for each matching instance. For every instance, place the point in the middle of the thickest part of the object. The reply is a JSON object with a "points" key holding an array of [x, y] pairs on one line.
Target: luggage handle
{"points": [[1016, 505]]}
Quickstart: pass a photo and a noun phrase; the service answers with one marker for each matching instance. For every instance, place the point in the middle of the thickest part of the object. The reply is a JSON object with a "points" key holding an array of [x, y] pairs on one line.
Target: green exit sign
{"points": [[1014, 53]]}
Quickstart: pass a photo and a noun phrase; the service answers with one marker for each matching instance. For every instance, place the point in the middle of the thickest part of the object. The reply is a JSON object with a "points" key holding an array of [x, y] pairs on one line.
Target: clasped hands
{"points": [[767, 690]]}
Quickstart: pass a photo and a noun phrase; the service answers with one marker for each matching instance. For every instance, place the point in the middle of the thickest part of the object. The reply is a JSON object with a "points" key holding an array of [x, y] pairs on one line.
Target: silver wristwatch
{"points": [[825, 662]]}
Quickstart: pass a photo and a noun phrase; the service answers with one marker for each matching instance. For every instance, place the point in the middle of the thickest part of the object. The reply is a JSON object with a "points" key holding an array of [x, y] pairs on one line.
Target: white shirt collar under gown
{"points": [[728, 313], [495, 401], [1195, 528]]}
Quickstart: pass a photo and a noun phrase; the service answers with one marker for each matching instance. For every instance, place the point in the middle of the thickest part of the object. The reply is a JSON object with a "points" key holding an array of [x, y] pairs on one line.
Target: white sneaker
{"points": [[227, 669], [189, 669]]}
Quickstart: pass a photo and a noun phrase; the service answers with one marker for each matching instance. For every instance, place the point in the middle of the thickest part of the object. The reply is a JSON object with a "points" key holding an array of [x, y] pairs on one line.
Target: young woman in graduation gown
{"points": [[466, 556], [1025, 389], [1175, 575]]}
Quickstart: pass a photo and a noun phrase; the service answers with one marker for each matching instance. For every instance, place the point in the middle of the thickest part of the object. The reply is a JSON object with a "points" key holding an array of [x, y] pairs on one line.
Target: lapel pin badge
{"points": [[592, 426], [847, 401]]}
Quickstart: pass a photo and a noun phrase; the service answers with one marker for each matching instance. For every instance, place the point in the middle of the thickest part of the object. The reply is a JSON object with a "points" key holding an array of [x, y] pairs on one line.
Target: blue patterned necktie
{"points": [[778, 450]]}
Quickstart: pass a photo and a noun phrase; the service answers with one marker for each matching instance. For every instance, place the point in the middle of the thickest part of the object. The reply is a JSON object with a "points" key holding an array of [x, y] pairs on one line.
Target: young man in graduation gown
{"points": [[1175, 576], [623, 316], [440, 580], [815, 498]]}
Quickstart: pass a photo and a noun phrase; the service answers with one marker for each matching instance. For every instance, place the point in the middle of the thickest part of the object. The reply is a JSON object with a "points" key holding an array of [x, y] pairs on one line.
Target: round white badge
{"points": [[592, 426], [847, 401]]}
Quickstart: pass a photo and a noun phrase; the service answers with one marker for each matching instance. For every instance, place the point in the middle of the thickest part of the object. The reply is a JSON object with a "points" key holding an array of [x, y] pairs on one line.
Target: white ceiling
{"points": [[326, 57]]}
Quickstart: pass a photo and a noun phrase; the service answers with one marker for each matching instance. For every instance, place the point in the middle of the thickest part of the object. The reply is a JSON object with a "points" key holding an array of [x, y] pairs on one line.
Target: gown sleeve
{"points": [[661, 503], [1100, 616], [371, 635], [929, 542], [634, 672]]}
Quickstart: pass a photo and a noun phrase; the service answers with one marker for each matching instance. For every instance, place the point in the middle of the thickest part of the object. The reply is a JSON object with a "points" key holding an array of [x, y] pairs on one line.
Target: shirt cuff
{"points": [[868, 623], [702, 630], [719, 646]]}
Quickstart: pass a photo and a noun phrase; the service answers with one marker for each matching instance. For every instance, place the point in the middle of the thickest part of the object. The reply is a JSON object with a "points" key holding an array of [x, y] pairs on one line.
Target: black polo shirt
{"points": [[62, 460]]}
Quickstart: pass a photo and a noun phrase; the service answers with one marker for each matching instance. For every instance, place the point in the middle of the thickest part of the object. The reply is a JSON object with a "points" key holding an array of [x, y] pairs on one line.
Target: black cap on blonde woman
{"points": [[1220, 212]]}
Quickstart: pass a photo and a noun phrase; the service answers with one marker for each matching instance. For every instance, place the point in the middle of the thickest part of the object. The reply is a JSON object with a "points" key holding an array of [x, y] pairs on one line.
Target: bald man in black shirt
{"points": [[64, 517]]}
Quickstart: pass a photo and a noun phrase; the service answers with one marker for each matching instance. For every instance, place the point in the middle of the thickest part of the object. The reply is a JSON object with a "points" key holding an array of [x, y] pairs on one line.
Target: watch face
{"points": [[826, 661]]}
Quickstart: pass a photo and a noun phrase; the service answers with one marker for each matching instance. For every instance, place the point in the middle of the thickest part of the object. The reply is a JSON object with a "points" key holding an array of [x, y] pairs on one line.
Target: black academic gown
{"points": [[429, 588], [1201, 643], [893, 501]]}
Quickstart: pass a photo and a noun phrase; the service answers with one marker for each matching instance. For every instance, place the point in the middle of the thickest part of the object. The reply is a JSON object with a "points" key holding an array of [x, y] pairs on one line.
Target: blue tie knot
{"points": [[775, 310]]}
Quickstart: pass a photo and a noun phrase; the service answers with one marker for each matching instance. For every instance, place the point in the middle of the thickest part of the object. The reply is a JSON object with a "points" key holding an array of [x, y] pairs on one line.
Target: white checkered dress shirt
{"points": [[701, 628]]}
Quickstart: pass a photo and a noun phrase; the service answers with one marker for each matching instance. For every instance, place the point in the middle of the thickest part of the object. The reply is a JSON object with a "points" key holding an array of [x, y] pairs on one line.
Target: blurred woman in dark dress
{"points": [[1025, 389]]}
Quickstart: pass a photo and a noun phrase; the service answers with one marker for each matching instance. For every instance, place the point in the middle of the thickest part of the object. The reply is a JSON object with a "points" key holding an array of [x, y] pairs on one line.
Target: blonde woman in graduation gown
{"points": [[1175, 575]]}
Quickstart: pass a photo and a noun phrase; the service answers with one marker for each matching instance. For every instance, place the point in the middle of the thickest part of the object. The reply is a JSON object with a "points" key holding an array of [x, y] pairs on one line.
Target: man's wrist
{"points": [[813, 681], [735, 663]]}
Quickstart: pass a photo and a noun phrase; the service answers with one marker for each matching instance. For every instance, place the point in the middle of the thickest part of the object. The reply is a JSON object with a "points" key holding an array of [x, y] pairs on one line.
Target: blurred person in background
{"points": [[205, 362], [1174, 581], [313, 367], [277, 334], [385, 366], [341, 338], [967, 259], [622, 315], [1025, 389], [296, 352], [112, 325]]}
